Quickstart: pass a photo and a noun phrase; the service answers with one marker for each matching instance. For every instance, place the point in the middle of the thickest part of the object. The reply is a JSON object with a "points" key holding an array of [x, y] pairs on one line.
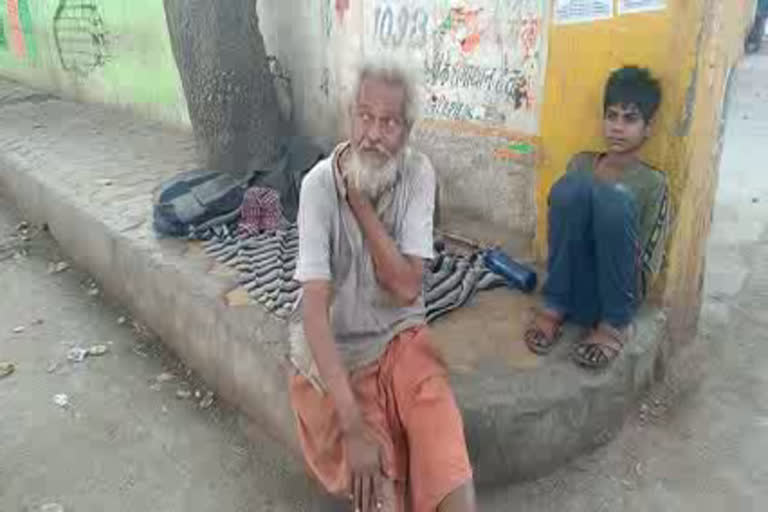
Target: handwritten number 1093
{"points": [[407, 27]]}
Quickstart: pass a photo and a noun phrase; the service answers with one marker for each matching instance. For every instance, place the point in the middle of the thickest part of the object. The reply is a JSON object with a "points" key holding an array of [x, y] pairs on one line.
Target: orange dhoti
{"points": [[407, 402]]}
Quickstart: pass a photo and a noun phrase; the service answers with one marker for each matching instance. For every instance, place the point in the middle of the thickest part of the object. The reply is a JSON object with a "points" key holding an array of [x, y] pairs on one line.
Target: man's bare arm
{"points": [[361, 449], [317, 329], [400, 275]]}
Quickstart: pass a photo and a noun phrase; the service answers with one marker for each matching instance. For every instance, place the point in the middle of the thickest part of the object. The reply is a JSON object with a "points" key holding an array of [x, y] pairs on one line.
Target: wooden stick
{"points": [[460, 239]]}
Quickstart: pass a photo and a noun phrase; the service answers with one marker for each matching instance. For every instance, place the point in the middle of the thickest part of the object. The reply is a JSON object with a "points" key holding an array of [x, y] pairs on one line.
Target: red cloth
{"points": [[261, 211], [408, 404]]}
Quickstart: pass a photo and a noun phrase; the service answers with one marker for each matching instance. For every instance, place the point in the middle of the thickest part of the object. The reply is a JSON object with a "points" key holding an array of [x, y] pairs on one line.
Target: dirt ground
{"points": [[129, 438]]}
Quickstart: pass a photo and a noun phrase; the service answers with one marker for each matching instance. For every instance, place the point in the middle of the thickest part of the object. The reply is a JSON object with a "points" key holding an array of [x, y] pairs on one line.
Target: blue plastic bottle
{"points": [[517, 275]]}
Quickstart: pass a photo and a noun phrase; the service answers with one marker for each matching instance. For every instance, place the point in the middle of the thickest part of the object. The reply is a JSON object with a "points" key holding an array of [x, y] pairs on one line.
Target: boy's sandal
{"points": [[601, 347], [543, 331]]}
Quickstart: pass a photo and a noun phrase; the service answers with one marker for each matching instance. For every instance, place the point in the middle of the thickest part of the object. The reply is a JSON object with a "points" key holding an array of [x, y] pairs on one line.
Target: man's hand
{"points": [[356, 198], [364, 461], [400, 275]]}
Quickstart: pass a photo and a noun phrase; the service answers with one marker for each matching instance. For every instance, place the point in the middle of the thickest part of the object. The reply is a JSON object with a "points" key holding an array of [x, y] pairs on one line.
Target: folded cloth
{"points": [[265, 263], [261, 211], [409, 407]]}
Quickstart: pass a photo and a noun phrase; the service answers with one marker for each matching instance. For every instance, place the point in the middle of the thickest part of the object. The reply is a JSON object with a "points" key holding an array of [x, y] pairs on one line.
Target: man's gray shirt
{"points": [[332, 248]]}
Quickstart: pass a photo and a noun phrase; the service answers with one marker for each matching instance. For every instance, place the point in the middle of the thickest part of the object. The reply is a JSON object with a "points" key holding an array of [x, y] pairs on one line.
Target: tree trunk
{"points": [[220, 54]]}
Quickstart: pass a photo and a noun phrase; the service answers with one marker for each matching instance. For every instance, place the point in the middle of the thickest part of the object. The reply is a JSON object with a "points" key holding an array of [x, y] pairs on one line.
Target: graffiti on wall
{"points": [[342, 6], [482, 60], [20, 29], [325, 82], [516, 151], [326, 17], [397, 26], [3, 40], [80, 36]]}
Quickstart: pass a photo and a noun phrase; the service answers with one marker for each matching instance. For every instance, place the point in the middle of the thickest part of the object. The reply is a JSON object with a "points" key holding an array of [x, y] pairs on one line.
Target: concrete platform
{"points": [[89, 174], [525, 415]]}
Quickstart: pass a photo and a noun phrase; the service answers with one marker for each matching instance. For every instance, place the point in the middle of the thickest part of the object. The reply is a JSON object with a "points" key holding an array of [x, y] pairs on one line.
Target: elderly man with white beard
{"points": [[376, 417]]}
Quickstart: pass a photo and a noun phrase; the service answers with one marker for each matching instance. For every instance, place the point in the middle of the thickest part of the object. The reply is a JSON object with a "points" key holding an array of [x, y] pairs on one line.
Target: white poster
{"points": [[630, 6], [481, 60], [581, 11]]}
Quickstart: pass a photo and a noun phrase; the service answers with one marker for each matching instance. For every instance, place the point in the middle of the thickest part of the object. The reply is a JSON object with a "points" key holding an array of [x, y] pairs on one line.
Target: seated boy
{"points": [[608, 220]]}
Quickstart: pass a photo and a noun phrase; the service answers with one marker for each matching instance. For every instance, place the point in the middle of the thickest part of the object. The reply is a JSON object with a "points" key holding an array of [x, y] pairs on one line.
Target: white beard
{"points": [[370, 177]]}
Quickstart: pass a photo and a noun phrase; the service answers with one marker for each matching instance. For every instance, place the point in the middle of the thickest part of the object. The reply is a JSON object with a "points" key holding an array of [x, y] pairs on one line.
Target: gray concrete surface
{"points": [[125, 442], [474, 184], [520, 422], [89, 174], [524, 422]]}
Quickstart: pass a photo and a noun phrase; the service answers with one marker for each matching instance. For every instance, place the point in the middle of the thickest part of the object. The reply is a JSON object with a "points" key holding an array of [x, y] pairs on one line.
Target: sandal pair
{"points": [[597, 351], [604, 344]]}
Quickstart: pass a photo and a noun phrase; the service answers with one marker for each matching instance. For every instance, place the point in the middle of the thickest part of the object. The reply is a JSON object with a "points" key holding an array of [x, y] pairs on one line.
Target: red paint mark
{"points": [[342, 6], [17, 34], [505, 154], [469, 43], [464, 26]]}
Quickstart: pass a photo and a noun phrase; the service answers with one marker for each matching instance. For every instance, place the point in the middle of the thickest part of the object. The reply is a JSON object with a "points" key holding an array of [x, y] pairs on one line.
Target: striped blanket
{"points": [[266, 263]]}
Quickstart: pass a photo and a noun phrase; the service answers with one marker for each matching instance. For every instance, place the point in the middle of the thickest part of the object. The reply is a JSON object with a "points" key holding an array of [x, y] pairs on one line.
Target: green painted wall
{"points": [[3, 40], [109, 51]]}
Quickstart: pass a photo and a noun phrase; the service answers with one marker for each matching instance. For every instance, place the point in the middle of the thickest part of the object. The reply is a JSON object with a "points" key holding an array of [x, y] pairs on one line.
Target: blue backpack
{"points": [[194, 201], [198, 199]]}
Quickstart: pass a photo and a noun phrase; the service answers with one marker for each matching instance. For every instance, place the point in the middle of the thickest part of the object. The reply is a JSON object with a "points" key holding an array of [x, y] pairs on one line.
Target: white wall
{"points": [[481, 65]]}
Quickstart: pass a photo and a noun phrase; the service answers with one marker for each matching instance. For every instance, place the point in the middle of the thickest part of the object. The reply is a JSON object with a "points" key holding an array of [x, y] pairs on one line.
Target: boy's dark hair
{"points": [[632, 85]]}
